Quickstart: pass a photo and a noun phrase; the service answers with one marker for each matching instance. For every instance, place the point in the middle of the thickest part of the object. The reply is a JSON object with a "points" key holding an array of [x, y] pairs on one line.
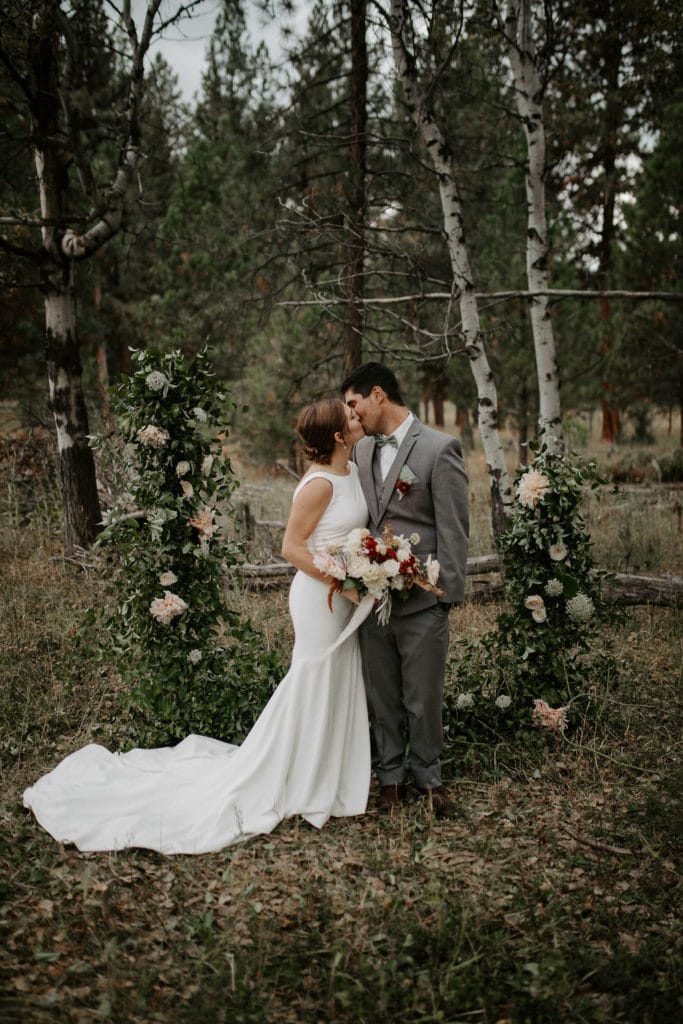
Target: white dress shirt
{"points": [[388, 453]]}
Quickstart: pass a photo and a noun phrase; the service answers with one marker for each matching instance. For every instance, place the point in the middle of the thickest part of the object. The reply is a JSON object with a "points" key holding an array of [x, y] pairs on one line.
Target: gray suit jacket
{"points": [[436, 507]]}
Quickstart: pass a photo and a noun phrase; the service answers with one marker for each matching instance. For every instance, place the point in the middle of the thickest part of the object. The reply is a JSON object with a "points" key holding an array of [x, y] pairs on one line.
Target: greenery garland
{"points": [[192, 665], [534, 668]]}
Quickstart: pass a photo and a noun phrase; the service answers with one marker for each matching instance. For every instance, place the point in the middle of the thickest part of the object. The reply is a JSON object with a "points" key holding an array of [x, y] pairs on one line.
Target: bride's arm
{"points": [[307, 509]]}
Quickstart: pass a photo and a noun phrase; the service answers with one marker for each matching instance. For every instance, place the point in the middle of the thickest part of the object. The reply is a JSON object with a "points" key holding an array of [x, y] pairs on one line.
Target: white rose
{"points": [[167, 579], [374, 579], [534, 602], [356, 565], [183, 468], [558, 552], [391, 567], [539, 615], [353, 540]]}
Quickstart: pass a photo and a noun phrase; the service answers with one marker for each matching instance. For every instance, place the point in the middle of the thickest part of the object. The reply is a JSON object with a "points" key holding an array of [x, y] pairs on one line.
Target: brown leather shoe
{"points": [[391, 796], [438, 801]]}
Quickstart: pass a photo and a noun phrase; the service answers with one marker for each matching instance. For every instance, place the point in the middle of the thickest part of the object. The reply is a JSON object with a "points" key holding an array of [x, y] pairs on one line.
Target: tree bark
{"points": [[441, 156], [608, 148], [76, 466], [464, 427], [529, 95], [57, 144], [354, 319]]}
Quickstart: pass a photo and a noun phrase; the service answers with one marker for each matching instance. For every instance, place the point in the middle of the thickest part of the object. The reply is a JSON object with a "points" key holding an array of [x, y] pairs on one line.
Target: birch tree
{"points": [[529, 87], [45, 69], [434, 140]]}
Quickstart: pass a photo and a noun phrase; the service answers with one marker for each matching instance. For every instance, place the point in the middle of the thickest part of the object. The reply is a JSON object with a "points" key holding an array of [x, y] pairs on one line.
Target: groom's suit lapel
{"points": [[399, 462], [364, 454]]}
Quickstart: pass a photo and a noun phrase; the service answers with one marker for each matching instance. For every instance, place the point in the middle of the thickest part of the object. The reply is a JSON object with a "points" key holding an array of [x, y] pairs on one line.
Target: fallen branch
{"points": [[665, 591], [617, 588], [621, 851]]}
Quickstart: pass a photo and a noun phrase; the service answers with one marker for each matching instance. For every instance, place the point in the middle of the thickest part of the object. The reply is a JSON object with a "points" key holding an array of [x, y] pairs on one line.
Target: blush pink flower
{"points": [[205, 523], [532, 487], [153, 437], [329, 566], [554, 719], [166, 608]]}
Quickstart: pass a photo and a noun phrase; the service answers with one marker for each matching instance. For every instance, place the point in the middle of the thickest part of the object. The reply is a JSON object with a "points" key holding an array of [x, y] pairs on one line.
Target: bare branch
{"points": [[557, 293], [78, 246]]}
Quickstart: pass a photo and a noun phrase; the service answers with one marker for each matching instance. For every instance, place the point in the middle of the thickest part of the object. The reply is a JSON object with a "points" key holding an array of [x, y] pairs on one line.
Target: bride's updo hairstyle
{"points": [[317, 425]]}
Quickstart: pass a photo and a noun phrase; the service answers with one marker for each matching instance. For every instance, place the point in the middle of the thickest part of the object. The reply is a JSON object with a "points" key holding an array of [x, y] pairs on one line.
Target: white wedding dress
{"points": [[308, 754]]}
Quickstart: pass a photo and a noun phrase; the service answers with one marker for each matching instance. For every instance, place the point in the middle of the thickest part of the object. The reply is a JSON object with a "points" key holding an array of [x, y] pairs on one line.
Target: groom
{"points": [[414, 478]]}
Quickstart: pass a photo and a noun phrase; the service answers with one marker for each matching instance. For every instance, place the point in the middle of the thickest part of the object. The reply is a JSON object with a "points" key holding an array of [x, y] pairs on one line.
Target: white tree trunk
{"points": [[442, 160], [529, 96]]}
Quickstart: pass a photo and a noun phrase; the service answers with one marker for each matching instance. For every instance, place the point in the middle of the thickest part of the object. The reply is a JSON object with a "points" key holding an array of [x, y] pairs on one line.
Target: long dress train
{"points": [[308, 753]]}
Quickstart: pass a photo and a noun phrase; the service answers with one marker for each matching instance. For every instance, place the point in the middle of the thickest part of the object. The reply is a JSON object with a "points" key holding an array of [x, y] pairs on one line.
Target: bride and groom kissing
{"points": [[310, 753]]}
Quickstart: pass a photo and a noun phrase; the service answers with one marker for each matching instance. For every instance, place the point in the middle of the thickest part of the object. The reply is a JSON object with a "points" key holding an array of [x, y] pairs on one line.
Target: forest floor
{"points": [[553, 896]]}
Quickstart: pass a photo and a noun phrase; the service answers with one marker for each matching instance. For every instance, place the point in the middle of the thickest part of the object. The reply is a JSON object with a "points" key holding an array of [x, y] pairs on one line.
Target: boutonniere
{"points": [[406, 479]]}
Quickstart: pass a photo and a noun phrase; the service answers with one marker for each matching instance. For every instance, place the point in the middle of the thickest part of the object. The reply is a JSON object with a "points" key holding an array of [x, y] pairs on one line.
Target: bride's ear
{"points": [[339, 437]]}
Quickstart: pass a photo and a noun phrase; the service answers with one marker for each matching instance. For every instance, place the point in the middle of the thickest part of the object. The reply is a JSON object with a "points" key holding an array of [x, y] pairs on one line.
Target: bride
{"points": [[309, 752]]}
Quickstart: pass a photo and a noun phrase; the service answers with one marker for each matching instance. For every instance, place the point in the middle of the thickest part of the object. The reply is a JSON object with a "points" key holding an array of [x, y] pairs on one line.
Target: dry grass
{"points": [[552, 897]]}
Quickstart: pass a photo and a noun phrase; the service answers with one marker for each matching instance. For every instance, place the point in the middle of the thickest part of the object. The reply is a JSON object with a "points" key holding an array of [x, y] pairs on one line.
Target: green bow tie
{"points": [[382, 439]]}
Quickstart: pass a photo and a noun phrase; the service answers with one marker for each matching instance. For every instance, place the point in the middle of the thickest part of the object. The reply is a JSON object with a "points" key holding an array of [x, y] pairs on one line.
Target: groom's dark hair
{"points": [[364, 378]]}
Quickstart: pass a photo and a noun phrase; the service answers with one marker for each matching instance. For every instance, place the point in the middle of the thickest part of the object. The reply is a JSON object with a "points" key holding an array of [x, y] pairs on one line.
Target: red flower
{"points": [[408, 566], [403, 487]]}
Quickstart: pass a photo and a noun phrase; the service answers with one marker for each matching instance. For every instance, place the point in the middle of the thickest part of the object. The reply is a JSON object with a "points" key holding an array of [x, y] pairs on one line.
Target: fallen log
{"points": [[618, 588], [665, 591], [482, 564]]}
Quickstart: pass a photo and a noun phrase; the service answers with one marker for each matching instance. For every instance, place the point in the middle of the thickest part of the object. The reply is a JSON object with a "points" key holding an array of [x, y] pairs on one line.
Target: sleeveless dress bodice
{"points": [[346, 510]]}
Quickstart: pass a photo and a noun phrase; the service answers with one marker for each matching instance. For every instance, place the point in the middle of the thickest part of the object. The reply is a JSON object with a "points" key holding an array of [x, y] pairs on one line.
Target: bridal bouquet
{"points": [[379, 567]]}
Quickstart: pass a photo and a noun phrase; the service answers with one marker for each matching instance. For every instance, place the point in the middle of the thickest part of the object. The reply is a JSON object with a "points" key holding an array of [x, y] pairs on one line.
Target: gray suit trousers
{"points": [[404, 665]]}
